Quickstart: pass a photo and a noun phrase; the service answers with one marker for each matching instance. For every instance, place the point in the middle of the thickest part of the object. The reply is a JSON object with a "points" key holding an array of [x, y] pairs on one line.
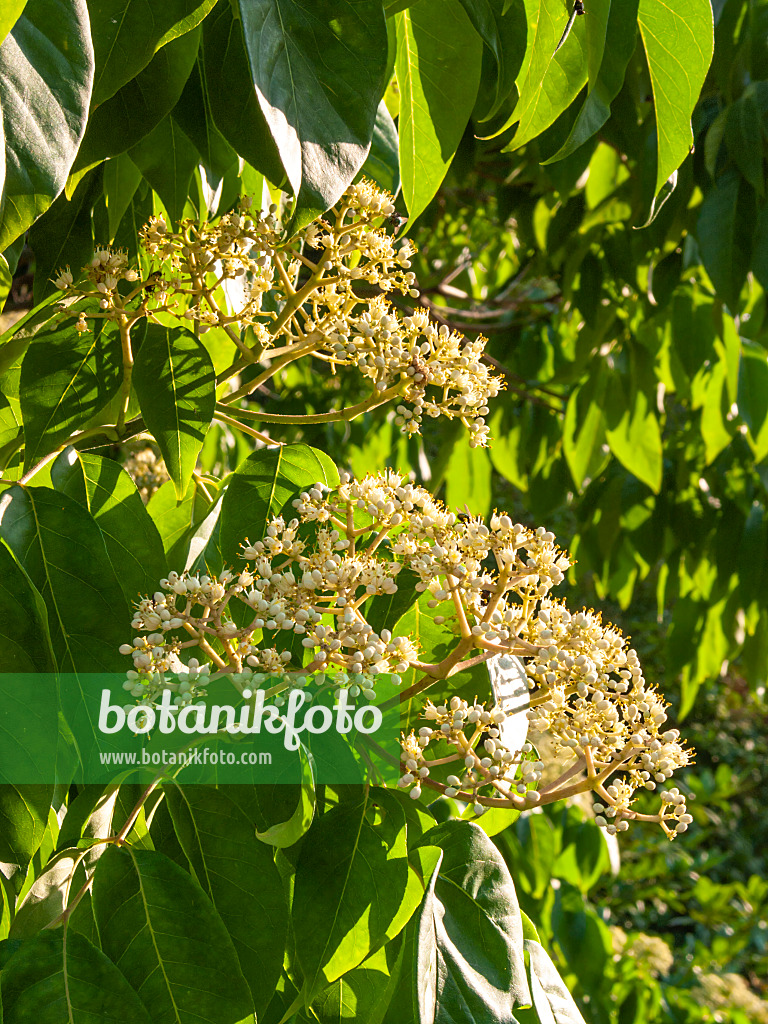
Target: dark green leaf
{"points": [[632, 429], [128, 33], [63, 236], [105, 489], [59, 977], [23, 821], [678, 42], [744, 138], [193, 114], [470, 933], [121, 179], [724, 231], [262, 486], [142, 103], [385, 610], [383, 161], [439, 57], [319, 73], [62, 549], [238, 874], [25, 645], [584, 425], [231, 97], [353, 889], [160, 929], [176, 387], [67, 377], [46, 75], [502, 27], [166, 158], [752, 398]]}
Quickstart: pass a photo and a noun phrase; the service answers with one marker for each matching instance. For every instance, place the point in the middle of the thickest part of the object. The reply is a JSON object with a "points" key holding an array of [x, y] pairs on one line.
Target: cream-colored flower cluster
{"points": [[146, 468], [327, 288]]}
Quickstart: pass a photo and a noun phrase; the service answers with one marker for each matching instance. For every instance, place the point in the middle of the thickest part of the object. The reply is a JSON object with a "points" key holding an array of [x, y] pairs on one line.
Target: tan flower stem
{"points": [[125, 325], [372, 402], [230, 422]]}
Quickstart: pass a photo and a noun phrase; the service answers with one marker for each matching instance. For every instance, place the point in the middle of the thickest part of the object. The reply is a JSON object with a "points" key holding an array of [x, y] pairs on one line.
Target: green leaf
{"points": [[46, 75], [632, 429], [142, 103], [362, 994], [128, 33], [59, 977], [9, 15], [281, 813], [615, 50], [23, 822], [554, 77], [63, 236], [382, 164], [744, 138], [503, 29], [166, 158], [239, 876], [584, 426], [121, 179], [25, 644], [67, 377], [175, 383], [319, 72], [231, 97], [352, 890], [61, 548], [724, 230], [193, 114], [551, 999], [439, 57], [261, 488], [679, 42], [752, 397], [714, 424], [160, 929], [468, 478], [470, 933], [385, 610], [133, 543]]}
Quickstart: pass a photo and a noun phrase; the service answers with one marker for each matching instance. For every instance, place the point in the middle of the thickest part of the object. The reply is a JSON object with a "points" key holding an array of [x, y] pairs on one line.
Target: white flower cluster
{"points": [[489, 767], [146, 468]]}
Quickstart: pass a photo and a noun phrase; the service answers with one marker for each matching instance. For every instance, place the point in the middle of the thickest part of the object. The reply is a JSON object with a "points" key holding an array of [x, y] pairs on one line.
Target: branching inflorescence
{"points": [[327, 288], [313, 578]]}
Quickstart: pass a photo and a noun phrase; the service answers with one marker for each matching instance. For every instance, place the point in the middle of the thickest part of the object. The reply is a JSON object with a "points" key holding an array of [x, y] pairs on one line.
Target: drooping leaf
{"points": [[744, 138], [439, 56], [166, 158], [554, 77], [383, 161], [142, 103], [724, 231], [632, 430], [232, 98], [46, 76], [193, 114], [162, 932], [752, 399], [618, 45], [131, 537], [319, 72], [551, 998], [502, 27], [352, 890], [61, 548], [59, 977], [238, 874], [121, 179], [261, 487], [67, 377], [25, 644], [679, 42], [584, 426], [128, 33], [175, 383], [470, 958], [9, 16], [63, 236]]}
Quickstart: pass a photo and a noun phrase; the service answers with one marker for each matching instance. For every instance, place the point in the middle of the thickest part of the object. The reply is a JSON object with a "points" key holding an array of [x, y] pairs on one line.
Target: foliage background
{"points": [[635, 421]]}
